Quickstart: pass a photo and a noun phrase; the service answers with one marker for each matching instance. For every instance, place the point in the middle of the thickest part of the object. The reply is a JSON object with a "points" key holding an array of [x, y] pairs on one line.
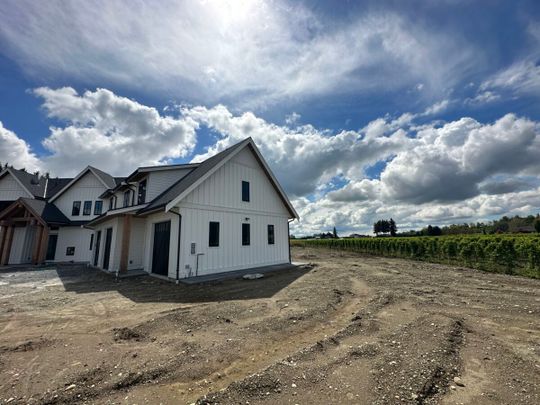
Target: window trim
{"points": [[87, 210], [141, 196], [211, 242], [127, 198], [272, 240], [247, 227], [246, 191], [76, 204], [70, 251], [100, 204]]}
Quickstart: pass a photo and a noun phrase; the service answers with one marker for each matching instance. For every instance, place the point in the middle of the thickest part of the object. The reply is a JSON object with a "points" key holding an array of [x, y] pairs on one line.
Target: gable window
{"points": [[127, 196], [98, 207], [141, 197], [76, 210], [213, 234], [87, 208], [270, 234], [245, 235], [245, 191]]}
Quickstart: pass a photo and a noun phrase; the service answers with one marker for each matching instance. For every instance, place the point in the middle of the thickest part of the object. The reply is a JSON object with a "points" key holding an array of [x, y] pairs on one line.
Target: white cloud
{"points": [[522, 77], [292, 119], [483, 97], [16, 152], [111, 132], [436, 108], [246, 52]]}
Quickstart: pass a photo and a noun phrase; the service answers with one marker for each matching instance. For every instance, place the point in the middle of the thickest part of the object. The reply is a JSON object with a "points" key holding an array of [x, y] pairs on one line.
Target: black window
{"points": [[91, 241], [142, 192], [76, 210], [126, 198], [270, 234], [213, 238], [111, 203], [70, 251], [245, 234], [245, 191], [98, 207], [87, 208]]}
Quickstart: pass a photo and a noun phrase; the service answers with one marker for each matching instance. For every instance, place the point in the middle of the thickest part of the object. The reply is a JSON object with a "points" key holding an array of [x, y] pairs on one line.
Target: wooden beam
{"points": [[42, 253], [124, 249], [37, 245], [4, 259]]}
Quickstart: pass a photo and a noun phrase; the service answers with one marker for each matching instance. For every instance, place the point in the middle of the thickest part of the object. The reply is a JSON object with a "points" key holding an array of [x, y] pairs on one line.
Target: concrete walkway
{"points": [[239, 273]]}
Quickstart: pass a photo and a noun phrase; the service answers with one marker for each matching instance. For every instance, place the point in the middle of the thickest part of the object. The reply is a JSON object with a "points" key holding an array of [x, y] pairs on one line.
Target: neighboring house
{"points": [[177, 221]]}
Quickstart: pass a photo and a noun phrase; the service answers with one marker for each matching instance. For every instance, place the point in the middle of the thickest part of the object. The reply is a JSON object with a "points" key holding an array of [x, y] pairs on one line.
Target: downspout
{"points": [[178, 247]]}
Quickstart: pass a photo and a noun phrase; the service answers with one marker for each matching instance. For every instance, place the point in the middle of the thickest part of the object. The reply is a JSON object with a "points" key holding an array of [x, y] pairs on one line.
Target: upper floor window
{"points": [[87, 208], [141, 197], [245, 191], [76, 210], [245, 235], [127, 196], [270, 234], [213, 234], [98, 207]]}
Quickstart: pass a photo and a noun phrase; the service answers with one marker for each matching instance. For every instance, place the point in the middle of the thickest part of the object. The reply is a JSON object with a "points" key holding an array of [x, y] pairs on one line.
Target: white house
{"points": [[226, 213]]}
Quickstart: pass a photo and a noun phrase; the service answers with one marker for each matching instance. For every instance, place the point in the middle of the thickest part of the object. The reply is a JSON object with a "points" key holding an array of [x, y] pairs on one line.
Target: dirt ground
{"points": [[345, 329]]}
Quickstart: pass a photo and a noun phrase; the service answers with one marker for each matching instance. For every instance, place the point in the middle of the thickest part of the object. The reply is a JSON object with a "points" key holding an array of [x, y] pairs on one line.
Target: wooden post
{"points": [[42, 252], [124, 252], [7, 245], [37, 245]]}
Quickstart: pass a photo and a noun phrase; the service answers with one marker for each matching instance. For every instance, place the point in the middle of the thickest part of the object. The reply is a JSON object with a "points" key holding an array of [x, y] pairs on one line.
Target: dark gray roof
{"points": [[49, 212], [185, 182], [109, 180], [34, 184], [55, 185]]}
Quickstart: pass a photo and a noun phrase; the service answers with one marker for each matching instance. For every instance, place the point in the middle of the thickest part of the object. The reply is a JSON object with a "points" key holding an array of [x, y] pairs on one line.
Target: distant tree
{"points": [[335, 233], [537, 225], [392, 227]]}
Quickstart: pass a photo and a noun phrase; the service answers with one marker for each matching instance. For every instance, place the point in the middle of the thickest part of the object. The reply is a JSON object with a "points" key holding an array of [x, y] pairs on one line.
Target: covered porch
{"points": [[24, 231]]}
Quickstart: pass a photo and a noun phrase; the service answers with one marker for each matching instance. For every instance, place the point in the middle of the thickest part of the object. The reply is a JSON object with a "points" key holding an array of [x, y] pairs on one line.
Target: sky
{"points": [[424, 111]]}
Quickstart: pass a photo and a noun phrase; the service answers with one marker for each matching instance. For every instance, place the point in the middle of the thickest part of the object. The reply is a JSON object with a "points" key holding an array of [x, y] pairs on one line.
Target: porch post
{"points": [[124, 250], [4, 259], [44, 241], [37, 245]]}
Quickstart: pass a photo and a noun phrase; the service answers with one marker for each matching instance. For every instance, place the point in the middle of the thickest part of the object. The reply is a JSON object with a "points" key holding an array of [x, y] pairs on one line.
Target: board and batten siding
{"points": [[17, 243], [10, 189], [73, 236], [87, 188], [159, 181], [230, 254], [219, 198], [136, 243]]}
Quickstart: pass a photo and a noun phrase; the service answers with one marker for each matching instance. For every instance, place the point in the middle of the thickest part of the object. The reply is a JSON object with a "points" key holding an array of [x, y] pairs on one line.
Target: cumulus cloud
{"points": [[482, 98], [111, 132], [303, 157], [16, 152], [237, 51]]}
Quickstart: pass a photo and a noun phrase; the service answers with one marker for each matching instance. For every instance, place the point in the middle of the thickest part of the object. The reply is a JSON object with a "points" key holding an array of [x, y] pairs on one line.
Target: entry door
{"points": [[107, 252], [98, 244], [160, 256], [51, 247]]}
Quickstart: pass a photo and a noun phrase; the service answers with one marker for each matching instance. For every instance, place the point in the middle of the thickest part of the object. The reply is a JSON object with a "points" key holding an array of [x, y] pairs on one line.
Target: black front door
{"points": [[51, 247], [160, 257], [107, 252], [98, 243]]}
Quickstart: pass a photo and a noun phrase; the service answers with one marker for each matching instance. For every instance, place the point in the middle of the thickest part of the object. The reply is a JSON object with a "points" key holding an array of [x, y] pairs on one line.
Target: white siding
{"points": [[87, 188], [73, 236], [17, 245], [10, 189], [230, 255], [114, 261], [224, 188], [161, 180], [136, 243]]}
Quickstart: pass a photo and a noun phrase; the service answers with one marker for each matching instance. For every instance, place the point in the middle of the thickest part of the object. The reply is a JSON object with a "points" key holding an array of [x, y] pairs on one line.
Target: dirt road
{"points": [[347, 330]]}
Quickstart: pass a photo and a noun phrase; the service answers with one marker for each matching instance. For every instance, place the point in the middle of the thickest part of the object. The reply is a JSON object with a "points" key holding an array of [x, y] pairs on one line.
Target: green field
{"points": [[511, 254]]}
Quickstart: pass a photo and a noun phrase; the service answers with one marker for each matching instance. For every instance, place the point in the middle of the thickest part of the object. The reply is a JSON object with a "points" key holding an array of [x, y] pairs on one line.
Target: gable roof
{"points": [[185, 185], [44, 211], [106, 179], [32, 184]]}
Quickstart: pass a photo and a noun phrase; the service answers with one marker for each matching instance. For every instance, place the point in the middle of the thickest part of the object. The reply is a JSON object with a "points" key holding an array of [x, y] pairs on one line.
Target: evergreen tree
{"points": [[392, 227], [335, 233]]}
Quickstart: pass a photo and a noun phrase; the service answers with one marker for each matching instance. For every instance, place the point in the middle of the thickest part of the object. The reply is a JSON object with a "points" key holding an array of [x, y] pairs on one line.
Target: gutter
{"points": [[178, 247]]}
